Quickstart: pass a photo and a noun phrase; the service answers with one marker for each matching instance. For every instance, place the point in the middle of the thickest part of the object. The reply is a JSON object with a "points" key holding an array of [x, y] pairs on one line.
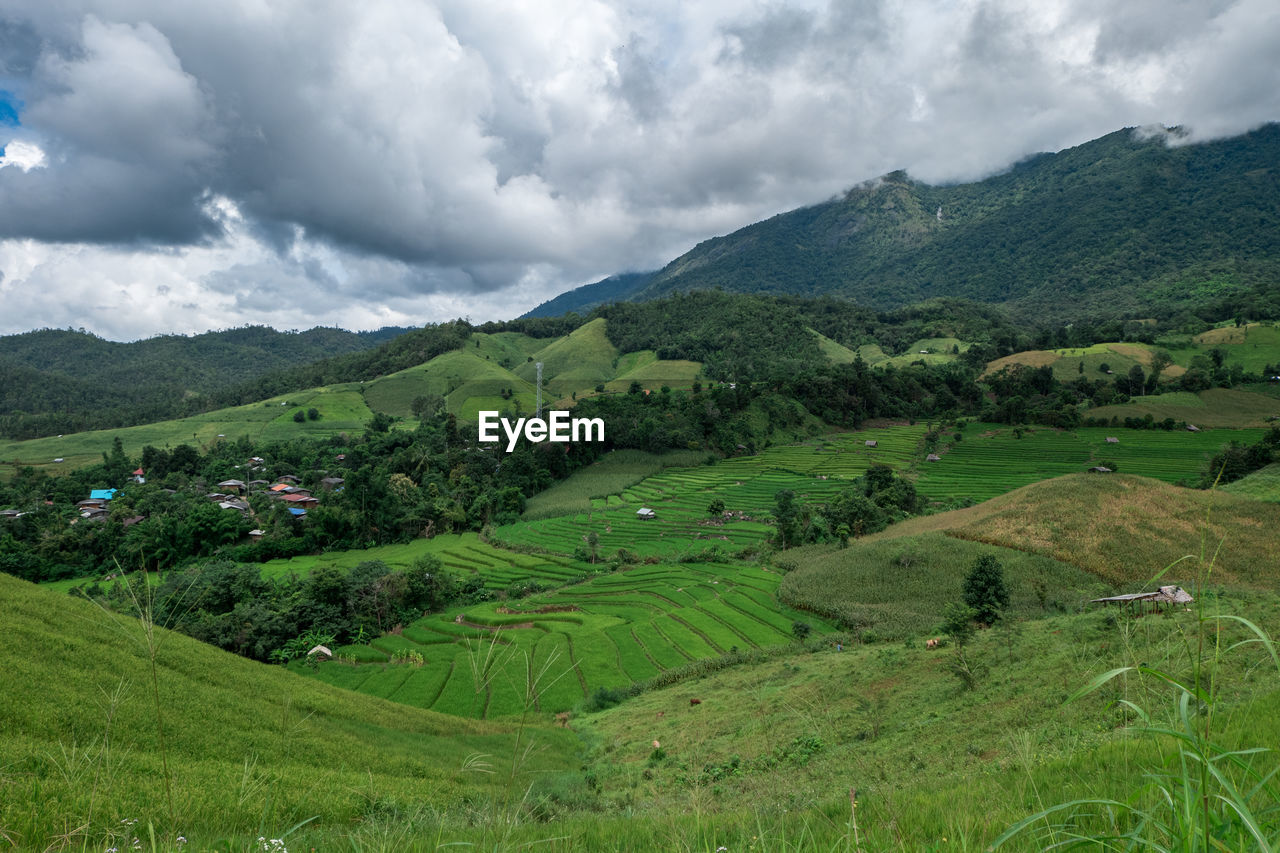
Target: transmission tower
{"points": [[539, 415]]}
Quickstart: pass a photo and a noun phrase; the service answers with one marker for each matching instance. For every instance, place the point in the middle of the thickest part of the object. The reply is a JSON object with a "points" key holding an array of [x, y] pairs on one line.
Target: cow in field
{"points": [[562, 719], [934, 643], [693, 702]]}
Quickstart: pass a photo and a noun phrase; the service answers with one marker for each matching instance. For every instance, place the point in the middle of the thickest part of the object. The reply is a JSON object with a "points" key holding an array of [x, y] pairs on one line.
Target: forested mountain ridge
{"points": [[1131, 224], [51, 373]]}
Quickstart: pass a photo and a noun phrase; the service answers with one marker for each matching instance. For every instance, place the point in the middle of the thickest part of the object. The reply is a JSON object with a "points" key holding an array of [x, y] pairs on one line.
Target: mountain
{"points": [[47, 373], [1132, 224], [615, 288]]}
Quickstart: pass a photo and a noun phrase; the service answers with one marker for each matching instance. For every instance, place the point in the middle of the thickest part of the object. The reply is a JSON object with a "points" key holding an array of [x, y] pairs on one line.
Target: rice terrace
{"points": [[929, 517]]}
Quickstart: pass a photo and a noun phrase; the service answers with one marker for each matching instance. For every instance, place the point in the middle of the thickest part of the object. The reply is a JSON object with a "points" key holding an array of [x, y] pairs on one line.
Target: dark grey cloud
{"points": [[285, 160]]}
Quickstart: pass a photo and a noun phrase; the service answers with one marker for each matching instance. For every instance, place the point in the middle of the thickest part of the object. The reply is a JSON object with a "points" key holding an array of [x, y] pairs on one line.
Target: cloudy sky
{"points": [[182, 166]]}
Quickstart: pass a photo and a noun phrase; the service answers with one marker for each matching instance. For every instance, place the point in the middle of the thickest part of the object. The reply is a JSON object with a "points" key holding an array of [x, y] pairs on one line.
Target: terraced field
{"points": [[463, 553], [816, 470], [990, 461], [611, 631]]}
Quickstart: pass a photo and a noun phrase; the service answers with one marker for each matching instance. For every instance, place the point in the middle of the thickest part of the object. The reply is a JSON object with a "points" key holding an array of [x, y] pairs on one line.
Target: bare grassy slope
{"points": [[1122, 528]]}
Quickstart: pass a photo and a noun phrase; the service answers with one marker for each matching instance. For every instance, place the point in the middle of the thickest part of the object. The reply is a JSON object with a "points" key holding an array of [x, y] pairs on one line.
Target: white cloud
{"points": [[22, 155]]}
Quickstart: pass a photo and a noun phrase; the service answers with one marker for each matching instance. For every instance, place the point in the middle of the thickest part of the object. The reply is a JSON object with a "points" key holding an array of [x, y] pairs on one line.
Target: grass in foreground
{"points": [[252, 749]]}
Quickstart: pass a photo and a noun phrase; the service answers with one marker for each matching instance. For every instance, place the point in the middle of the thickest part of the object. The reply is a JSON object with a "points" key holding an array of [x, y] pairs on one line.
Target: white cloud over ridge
{"points": [[403, 162]]}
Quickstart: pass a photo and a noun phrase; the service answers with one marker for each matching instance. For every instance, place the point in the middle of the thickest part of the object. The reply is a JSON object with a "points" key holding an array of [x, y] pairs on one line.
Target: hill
{"points": [[55, 381], [252, 749], [1122, 529], [1130, 224]]}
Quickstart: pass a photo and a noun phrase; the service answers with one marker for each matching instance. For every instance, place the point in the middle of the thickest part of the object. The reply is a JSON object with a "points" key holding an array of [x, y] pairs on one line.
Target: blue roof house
{"points": [[102, 494]]}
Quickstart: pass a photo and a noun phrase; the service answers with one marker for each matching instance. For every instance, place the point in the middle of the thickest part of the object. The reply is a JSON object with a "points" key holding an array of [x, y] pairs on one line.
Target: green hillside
{"points": [[1120, 225], [466, 380], [575, 362], [1216, 408], [341, 409], [1264, 484], [1122, 529], [251, 750]]}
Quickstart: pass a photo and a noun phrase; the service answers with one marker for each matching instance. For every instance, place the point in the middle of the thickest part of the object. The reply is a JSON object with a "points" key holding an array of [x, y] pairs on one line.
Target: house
{"points": [[130, 522], [95, 513], [138, 477], [234, 504], [302, 501], [256, 534], [297, 512], [230, 485], [280, 488], [92, 503], [933, 457], [11, 513], [288, 478], [645, 513], [332, 483], [102, 494], [872, 443], [1099, 469], [1112, 440], [1158, 600]]}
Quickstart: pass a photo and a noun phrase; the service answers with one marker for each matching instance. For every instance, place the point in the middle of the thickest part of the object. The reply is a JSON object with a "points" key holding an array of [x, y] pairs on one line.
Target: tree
{"points": [[716, 507], [299, 416], [313, 414], [985, 590], [1137, 381]]}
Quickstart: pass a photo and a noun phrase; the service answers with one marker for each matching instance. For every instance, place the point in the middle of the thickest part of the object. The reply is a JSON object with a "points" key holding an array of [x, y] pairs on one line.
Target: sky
{"points": [[179, 167]]}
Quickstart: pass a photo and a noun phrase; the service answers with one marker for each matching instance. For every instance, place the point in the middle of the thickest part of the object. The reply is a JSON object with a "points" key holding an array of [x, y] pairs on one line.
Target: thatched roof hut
{"points": [[1157, 600]]}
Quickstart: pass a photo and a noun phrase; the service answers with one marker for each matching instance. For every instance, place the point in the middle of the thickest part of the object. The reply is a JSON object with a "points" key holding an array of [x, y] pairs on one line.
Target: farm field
{"points": [[609, 475], [1229, 408], [1252, 346], [463, 553], [990, 460], [611, 631], [341, 410], [1116, 357], [815, 470]]}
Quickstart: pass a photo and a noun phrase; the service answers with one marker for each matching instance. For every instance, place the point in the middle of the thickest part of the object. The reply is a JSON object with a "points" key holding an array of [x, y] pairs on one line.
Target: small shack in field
{"points": [[1192, 428], [871, 443], [1099, 469], [645, 513], [933, 457], [1144, 602], [1111, 439]]}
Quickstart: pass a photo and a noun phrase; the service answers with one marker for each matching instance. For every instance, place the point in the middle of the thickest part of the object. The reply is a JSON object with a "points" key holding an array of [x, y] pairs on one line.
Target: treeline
{"points": [[231, 606], [1238, 460]]}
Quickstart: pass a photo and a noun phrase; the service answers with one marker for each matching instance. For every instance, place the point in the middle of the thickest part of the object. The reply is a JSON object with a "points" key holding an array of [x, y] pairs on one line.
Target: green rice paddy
{"points": [[552, 650], [816, 470]]}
